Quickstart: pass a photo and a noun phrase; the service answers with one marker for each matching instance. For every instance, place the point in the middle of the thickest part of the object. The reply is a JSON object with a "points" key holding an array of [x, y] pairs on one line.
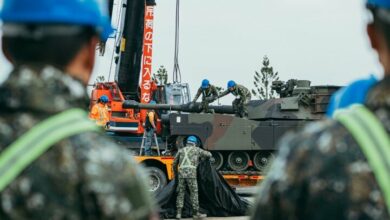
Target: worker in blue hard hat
{"points": [[56, 163], [209, 94], [184, 166], [243, 96], [100, 113], [339, 168]]}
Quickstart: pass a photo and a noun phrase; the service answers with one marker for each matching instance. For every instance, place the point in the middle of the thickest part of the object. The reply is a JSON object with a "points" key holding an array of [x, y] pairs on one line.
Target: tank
{"points": [[242, 145]]}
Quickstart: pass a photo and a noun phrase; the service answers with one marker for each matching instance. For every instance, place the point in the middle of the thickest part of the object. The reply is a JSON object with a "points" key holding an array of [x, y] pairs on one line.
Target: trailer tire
{"points": [[157, 179]]}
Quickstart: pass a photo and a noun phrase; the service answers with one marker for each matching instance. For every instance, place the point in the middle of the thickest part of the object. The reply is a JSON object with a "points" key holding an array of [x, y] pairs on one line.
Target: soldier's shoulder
{"points": [[180, 151]]}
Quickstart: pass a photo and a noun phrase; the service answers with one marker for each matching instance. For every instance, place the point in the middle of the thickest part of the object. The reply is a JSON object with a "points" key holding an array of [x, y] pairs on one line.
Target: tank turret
{"points": [[298, 101]]}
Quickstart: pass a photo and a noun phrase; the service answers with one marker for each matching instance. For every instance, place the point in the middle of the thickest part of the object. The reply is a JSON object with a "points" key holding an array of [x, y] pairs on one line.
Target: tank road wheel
{"points": [[262, 160], [238, 161], [157, 179], [216, 160]]}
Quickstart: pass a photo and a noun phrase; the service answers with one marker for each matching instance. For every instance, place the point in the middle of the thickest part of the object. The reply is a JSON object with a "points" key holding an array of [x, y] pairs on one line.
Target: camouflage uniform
{"points": [[240, 103], [322, 173], [86, 176], [208, 96], [188, 160]]}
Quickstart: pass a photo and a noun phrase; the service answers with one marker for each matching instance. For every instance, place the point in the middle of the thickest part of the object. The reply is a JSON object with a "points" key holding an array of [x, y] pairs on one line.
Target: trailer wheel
{"points": [[157, 179]]}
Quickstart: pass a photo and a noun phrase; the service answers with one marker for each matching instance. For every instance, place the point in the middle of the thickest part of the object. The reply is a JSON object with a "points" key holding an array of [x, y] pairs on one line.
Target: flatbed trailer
{"points": [[160, 173]]}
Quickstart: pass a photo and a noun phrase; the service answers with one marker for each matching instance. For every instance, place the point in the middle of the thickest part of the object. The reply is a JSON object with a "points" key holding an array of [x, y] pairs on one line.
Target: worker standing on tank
{"points": [[99, 112], [149, 129], [340, 168], [56, 163], [188, 160], [243, 96], [209, 94]]}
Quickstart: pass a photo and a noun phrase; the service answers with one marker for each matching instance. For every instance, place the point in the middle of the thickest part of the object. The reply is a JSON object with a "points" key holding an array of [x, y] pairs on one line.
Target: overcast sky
{"points": [[320, 40]]}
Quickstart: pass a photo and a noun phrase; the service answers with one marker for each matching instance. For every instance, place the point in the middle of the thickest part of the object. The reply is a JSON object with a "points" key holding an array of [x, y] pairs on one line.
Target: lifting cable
{"points": [[176, 68]]}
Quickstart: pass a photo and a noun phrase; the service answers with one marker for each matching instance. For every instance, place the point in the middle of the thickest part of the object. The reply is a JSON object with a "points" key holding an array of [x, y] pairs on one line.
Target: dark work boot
{"points": [[199, 216]]}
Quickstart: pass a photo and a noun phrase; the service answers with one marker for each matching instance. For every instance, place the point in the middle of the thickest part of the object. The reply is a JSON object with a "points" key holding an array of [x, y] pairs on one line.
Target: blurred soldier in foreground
{"points": [[243, 96], [149, 129], [209, 94], [338, 169], [99, 112], [188, 160], [54, 162]]}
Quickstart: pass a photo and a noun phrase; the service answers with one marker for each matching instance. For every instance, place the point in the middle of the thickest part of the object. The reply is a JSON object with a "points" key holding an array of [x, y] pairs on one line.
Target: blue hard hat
{"points": [[104, 98], [73, 12], [231, 84], [379, 3], [153, 102], [192, 139], [354, 93], [205, 84]]}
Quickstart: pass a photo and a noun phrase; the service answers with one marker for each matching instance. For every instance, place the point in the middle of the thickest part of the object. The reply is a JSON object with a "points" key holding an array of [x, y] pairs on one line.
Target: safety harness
{"points": [[186, 162], [373, 140], [31, 145]]}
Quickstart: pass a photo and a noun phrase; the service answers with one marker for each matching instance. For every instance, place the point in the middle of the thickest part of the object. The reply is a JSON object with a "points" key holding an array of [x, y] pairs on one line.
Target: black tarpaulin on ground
{"points": [[216, 197]]}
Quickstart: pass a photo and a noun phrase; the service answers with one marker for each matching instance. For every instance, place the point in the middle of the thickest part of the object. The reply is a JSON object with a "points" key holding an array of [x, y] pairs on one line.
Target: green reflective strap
{"points": [[20, 154], [374, 142], [186, 163]]}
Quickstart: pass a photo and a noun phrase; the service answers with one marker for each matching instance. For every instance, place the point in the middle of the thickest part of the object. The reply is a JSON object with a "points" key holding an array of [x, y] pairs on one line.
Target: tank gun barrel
{"points": [[195, 108]]}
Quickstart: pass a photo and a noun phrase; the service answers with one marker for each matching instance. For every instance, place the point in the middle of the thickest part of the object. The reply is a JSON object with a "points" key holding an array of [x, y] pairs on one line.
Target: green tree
{"points": [[263, 81], [161, 76]]}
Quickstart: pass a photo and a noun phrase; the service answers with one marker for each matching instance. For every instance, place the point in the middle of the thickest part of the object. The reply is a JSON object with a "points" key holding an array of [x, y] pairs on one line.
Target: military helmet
{"points": [[205, 84], [92, 13], [104, 98], [192, 139], [231, 84]]}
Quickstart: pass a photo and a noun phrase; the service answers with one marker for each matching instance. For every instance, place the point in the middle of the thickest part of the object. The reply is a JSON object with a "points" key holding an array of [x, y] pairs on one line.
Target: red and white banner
{"points": [[147, 55]]}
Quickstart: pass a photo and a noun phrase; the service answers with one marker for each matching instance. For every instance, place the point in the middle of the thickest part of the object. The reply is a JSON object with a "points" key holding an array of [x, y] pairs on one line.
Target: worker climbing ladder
{"points": [[143, 144]]}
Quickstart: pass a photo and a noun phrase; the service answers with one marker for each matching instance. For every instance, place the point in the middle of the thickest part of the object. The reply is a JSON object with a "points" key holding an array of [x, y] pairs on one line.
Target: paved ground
{"points": [[248, 193], [231, 218]]}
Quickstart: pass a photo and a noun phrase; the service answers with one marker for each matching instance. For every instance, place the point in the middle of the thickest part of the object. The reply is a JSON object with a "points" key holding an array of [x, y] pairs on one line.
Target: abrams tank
{"points": [[244, 144]]}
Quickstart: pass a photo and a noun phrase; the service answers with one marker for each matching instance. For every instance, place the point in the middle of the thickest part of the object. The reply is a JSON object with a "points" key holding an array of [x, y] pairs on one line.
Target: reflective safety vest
{"points": [[186, 162], [373, 140], [35, 142], [99, 113]]}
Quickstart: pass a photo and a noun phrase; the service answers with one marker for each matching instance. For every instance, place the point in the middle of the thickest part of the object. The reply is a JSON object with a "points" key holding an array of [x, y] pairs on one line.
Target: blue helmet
{"points": [[104, 98], [205, 84], [231, 84], [379, 3], [192, 139], [153, 102], [73, 12]]}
